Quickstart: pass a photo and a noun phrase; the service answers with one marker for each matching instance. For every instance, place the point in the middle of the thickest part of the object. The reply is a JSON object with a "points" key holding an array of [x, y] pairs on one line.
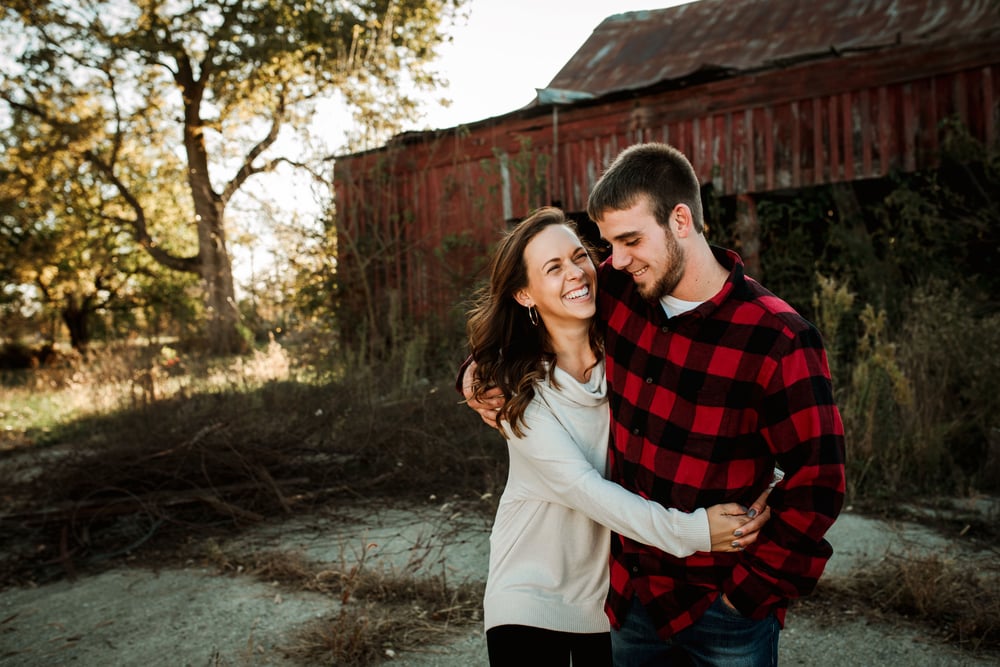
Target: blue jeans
{"points": [[721, 638]]}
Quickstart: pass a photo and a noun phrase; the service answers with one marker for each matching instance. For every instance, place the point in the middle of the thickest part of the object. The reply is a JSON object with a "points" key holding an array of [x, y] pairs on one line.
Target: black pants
{"points": [[523, 646]]}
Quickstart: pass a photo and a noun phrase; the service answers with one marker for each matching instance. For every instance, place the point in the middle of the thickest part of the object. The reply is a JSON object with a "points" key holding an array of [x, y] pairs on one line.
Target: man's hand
{"points": [[729, 604], [492, 400]]}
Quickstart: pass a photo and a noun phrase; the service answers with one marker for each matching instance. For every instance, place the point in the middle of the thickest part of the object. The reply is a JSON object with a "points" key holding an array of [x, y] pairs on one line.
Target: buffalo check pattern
{"points": [[704, 406]]}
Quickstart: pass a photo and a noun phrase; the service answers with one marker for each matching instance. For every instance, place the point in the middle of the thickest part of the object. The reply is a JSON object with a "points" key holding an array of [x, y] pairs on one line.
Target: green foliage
{"points": [[871, 407], [916, 398], [946, 222], [951, 353], [793, 232], [906, 277], [833, 305], [133, 125]]}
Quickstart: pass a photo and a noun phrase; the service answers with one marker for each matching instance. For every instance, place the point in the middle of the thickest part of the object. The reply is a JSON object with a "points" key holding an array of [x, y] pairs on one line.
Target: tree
{"points": [[136, 93], [63, 241]]}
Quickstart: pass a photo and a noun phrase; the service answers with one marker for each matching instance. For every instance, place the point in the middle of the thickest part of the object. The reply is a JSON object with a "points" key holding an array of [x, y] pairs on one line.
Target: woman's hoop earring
{"points": [[533, 315]]}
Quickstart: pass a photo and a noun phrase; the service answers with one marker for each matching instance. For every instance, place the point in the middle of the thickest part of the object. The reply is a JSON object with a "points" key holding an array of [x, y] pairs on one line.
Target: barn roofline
{"points": [[795, 119], [930, 31]]}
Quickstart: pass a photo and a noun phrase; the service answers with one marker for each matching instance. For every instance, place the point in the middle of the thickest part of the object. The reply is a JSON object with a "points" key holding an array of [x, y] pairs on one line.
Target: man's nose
{"points": [[619, 258]]}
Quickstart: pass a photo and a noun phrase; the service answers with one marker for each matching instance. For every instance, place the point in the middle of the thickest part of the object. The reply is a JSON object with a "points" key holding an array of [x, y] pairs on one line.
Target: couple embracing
{"points": [[676, 456]]}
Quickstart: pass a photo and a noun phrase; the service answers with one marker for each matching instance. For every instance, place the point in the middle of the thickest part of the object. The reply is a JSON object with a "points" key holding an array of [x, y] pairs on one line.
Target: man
{"points": [[713, 382]]}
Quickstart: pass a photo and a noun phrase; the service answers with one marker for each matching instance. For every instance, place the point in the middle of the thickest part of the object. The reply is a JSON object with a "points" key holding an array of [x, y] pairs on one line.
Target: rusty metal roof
{"points": [[712, 38]]}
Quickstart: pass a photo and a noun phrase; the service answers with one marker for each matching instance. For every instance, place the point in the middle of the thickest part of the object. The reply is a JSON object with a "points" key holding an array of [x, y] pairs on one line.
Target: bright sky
{"points": [[508, 48], [499, 56]]}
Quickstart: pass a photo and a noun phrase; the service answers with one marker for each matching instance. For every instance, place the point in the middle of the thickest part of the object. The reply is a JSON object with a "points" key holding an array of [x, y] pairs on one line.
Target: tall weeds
{"points": [[919, 410]]}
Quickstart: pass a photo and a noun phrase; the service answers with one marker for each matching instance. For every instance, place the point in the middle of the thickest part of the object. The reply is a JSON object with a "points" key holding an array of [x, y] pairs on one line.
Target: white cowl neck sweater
{"points": [[550, 542]]}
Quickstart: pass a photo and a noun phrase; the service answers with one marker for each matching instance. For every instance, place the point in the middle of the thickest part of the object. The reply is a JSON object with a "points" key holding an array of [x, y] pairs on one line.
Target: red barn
{"points": [[761, 95]]}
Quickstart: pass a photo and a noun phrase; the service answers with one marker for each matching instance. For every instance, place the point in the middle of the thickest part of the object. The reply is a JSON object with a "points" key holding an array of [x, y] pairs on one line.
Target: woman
{"points": [[532, 335]]}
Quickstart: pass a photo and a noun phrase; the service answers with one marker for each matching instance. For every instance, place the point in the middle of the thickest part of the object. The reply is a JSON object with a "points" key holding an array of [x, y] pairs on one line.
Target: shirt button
{"points": [[635, 431], [635, 569], [665, 329], [649, 380]]}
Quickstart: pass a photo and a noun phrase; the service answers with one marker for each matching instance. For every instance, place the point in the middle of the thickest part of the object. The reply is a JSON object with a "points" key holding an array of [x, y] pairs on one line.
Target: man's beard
{"points": [[674, 263]]}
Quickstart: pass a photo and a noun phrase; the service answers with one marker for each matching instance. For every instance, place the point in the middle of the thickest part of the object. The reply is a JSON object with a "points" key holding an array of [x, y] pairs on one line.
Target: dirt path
{"points": [[196, 616]]}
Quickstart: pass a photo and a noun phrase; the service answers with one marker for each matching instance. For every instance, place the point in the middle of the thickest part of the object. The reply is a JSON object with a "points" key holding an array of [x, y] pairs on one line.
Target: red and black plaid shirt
{"points": [[704, 406]]}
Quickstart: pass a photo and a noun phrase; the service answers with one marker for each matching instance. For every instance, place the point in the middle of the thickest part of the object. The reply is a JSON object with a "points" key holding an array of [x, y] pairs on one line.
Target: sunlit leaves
{"points": [[140, 119]]}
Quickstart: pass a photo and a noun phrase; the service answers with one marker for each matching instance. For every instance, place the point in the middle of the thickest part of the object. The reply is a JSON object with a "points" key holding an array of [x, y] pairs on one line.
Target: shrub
{"points": [[920, 411]]}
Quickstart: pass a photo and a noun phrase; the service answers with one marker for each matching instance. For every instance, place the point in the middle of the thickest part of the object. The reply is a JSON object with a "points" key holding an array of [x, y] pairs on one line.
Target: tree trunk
{"points": [[75, 314], [214, 267], [222, 331]]}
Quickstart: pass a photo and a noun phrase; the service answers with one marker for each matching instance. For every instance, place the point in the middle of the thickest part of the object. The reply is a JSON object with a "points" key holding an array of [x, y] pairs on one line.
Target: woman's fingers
{"points": [[756, 523], [759, 504], [489, 405], [489, 415], [747, 533]]}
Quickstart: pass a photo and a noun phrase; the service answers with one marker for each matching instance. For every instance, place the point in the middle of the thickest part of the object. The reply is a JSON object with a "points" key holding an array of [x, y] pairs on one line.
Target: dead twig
{"points": [[117, 506]]}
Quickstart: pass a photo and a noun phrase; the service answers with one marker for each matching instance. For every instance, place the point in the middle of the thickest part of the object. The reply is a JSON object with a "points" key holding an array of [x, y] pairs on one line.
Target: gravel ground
{"points": [[196, 616]]}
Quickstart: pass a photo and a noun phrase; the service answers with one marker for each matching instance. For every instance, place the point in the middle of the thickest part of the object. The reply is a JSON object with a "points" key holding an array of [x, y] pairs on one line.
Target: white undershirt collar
{"points": [[673, 306]]}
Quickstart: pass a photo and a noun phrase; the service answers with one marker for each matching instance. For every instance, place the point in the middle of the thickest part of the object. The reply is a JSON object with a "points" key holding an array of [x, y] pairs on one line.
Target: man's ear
{"points": [[521, 296], [682, 222]]}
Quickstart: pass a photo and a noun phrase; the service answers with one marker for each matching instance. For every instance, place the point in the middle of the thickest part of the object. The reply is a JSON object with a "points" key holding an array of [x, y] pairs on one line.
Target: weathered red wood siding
{"points": [[817, 122]]}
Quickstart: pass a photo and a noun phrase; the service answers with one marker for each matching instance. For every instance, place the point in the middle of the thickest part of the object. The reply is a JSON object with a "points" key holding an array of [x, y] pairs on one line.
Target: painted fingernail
{"points": [[751, 513], [738, 533], [735, 545]]}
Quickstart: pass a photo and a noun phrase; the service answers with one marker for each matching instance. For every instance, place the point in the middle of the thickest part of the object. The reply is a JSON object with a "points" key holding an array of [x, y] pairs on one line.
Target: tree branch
{"points": [[248, 170], [140, 230]]}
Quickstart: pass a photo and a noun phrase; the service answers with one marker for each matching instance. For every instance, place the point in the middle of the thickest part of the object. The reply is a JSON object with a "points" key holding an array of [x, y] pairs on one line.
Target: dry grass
{"points": [[138, 454], [387, 616], [954, 601], [227, 446], [379, 612]]}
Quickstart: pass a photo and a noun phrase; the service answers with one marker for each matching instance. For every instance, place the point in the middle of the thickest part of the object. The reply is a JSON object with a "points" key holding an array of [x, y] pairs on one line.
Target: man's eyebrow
{"points": [[625, 235]]}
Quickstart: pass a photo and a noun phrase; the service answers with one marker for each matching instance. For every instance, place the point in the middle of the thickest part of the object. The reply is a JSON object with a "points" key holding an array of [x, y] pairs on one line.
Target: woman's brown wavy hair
{"points": [[510, 352]]}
